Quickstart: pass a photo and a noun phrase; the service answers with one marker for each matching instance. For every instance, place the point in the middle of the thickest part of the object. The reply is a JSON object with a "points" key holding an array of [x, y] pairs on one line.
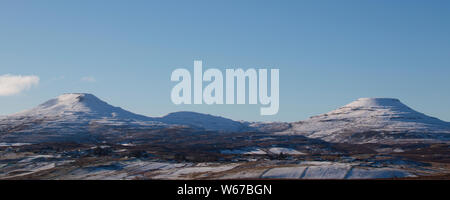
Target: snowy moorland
{"points": [[79, 136]]}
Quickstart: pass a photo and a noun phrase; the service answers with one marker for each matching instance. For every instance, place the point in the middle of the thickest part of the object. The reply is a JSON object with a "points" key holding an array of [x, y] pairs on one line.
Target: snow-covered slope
{"points": [[70, 117], [80, 105], [368, 120], [77, 116], [205, 121]]}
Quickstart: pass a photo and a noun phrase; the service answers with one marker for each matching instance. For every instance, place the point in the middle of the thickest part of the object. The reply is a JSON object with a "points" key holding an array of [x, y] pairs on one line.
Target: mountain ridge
{"points": [[77, 111], [366, 120]]}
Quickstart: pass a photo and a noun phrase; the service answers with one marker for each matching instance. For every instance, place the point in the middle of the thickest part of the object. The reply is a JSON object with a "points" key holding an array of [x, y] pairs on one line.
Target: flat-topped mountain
{"points": [[375, 120], [82, 106], [79, 116]]}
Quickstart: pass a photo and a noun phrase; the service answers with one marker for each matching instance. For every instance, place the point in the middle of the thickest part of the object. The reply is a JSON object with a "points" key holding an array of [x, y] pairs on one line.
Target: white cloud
{"points": [[89, 79], [14, 84]]}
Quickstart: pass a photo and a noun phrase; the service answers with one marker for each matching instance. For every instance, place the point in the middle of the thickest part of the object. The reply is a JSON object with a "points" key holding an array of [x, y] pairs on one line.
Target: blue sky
{"points": [[329, 52]]}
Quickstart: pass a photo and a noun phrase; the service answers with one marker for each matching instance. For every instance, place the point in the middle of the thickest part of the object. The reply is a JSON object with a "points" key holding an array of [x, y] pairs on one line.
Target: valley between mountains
{"points": [[79, 136]]}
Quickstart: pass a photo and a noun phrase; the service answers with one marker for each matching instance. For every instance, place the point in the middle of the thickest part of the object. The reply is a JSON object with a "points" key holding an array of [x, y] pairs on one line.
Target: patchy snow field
{"points": [[289, 151], [49, 167], [262, 151], [328, 170], [247, 151]]}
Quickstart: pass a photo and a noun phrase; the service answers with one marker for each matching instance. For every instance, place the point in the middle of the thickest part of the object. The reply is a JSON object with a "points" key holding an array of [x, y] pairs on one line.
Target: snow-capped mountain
{"points": [[83, 117], [69, 117], [205, 121], [372, 120], [80, 106], [78, 116]]}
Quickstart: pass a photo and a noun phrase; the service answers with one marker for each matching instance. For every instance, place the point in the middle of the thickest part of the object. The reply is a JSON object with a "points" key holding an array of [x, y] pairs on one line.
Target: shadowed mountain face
{"points": [[205, 121], [372, 120]]}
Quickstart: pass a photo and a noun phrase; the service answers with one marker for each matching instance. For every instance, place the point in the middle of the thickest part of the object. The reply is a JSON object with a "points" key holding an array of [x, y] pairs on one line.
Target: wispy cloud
{"points": [[15, 84], [88, 79]]}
